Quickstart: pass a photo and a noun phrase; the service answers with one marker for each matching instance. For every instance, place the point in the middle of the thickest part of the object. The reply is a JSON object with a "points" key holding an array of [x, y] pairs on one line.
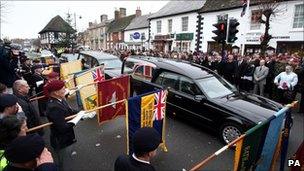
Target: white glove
{"points": [[77, 118], [67, 92], [79, 87], [89, 115], [38, 83]]}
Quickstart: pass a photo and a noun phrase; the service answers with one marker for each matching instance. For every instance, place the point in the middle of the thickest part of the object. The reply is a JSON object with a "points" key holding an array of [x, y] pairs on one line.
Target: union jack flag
{"points": [[98, 75], [160, 105]]}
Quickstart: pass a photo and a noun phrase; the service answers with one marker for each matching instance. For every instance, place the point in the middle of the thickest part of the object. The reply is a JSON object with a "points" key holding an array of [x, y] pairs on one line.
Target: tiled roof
{"points": [[219, 5], [178, 7], [57, 24], [120, 24], [139, 22]]}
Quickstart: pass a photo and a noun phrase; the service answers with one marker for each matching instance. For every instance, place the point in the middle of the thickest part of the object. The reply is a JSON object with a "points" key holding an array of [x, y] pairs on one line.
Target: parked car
{"points": [[201, 95], [112, 63]]}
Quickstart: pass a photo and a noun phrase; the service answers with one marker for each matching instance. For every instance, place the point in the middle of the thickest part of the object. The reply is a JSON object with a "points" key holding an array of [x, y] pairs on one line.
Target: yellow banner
{"points": [[67, 70], [88, 94], [147, 108], [237, 154]]}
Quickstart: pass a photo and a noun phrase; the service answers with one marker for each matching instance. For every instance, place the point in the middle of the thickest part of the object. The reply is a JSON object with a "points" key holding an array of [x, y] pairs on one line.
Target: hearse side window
{"points": [[188, 86], [129, 64], [94, 62], [169, 80]]}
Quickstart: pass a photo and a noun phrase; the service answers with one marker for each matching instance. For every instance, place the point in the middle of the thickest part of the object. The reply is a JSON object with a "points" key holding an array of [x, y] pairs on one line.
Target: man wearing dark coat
{"points": [[229, 69], [240, 71], [38, 82], [145, 143], [8, 64], [21, 89], [62, 133]]}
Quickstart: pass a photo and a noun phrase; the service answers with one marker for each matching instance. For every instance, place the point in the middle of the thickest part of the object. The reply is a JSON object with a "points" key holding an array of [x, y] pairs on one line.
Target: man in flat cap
{"points": [[28, 153], [145, 143], [9, 106], [62, 132]]}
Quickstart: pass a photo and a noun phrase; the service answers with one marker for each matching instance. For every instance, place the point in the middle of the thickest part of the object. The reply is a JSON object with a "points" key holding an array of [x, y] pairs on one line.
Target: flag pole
{"points": [[164, 128], [127, 124], [72, 116], [204, 162], [75, 89]]}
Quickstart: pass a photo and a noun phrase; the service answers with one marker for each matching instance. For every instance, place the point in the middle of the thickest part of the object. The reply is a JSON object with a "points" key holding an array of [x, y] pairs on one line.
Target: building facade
{"points": [[96, 33], [286, 27], [115, 33], [136, 33], [55, 32], [173, 28]]}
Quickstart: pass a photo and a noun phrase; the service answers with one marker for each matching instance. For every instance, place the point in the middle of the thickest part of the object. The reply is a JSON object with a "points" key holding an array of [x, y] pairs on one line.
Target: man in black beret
{"points": [[28, 153], [145, 143], [9, 106]]}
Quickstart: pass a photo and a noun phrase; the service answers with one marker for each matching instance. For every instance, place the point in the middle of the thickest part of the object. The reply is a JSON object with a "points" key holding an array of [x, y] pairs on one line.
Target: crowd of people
{"points": [[278, 77]]}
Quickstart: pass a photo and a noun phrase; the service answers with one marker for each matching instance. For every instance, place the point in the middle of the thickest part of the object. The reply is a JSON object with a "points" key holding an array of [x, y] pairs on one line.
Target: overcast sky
{"points": [[24, 19]]}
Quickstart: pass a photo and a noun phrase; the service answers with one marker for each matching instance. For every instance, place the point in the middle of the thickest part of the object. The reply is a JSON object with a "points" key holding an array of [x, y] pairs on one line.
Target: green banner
{"points": [[252, 146]]}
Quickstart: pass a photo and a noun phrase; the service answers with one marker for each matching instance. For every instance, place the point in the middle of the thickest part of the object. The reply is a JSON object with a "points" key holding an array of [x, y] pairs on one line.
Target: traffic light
{"points": [[233, 23], [220, 32]]}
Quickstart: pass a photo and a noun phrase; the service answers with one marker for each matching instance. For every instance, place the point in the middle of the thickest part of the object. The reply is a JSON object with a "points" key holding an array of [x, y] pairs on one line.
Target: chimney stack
{"points": [[123, 12], [103, 18], [116, 15], [90, 24], [138, 12]]}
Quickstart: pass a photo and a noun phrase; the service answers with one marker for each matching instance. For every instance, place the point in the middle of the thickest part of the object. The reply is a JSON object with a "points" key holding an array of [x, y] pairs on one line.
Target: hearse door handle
{"points": [[177, 96]]}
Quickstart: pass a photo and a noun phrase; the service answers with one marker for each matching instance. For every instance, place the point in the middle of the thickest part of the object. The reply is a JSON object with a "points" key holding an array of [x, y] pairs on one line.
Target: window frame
{"points": [[191, 82], [170, 23], [186, 26], [158, 26], [294, 13]]}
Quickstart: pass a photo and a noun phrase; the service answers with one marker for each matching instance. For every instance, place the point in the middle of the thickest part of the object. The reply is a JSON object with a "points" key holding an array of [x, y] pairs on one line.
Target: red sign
{"points": [[112, 91]]}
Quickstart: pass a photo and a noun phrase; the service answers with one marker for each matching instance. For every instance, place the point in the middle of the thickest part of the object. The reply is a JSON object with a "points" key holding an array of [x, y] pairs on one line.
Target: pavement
{"points": [[98, 146]]}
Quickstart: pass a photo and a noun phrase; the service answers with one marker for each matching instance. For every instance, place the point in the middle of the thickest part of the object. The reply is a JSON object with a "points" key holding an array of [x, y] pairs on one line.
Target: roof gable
{"points": [[139, 22], [120, 24], [178, 7], [57, 24]]}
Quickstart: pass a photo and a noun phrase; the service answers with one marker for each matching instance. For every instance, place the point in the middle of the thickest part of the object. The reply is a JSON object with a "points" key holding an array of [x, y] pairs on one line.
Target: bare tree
{"points": [[268, 8]]}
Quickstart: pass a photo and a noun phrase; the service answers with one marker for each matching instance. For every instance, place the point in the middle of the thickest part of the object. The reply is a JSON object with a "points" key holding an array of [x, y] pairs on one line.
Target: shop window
{"points": [[170, 25], [223, 17], [298, 20], [158, 25], [255, 19], [185, 23]]}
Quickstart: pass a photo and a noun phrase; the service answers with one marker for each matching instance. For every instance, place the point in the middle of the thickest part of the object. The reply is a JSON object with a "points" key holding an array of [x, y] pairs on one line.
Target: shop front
{"points": [[162, 43], [183, 42]]}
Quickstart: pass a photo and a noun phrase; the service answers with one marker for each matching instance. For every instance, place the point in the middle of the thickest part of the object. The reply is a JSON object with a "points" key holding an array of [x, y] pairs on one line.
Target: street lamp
{"points": [[79, 16]]}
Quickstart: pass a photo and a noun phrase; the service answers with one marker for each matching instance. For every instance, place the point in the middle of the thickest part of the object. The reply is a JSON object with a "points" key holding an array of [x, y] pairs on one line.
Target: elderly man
{"points": [[259, 78], [62, 133], [285, 82], [21, 90]]}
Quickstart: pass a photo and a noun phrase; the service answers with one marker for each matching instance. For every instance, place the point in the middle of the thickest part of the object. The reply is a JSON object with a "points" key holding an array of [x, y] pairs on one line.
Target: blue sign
{"points": [[136, 35]]}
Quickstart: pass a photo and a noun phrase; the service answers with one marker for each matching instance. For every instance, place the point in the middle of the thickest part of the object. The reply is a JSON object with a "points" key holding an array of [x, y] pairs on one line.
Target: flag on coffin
{"points": [[147, 110], [111, 91], [67, 71], [249, 148], [88, 94]]}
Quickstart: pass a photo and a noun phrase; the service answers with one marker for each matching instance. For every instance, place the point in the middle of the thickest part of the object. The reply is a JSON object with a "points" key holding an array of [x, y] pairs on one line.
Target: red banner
{"points": [[111, 91]]}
